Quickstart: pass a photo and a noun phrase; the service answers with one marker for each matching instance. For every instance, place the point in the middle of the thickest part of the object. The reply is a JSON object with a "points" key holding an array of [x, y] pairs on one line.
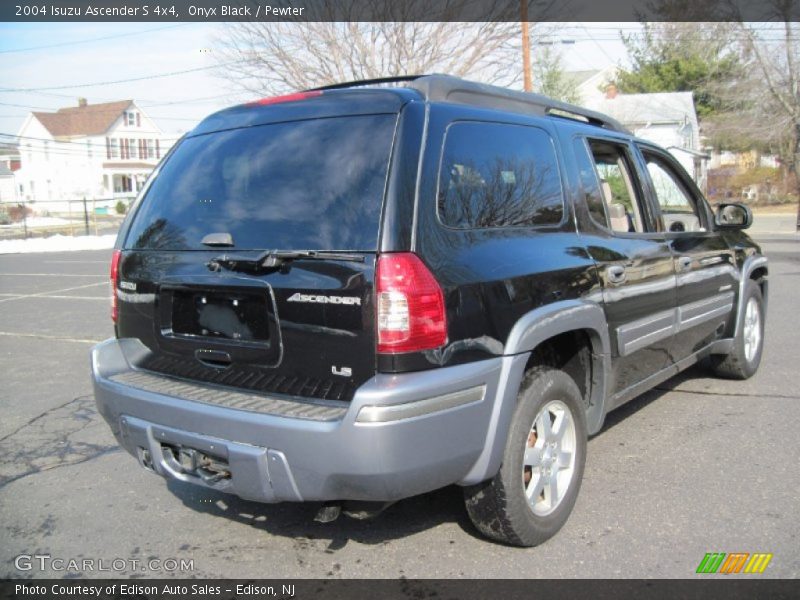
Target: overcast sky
{"points": [[66, 55]]}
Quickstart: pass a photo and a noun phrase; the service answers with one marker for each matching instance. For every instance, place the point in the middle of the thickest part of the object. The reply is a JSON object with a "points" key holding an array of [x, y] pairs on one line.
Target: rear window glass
{"points": [[496, 175], [303, 185]]}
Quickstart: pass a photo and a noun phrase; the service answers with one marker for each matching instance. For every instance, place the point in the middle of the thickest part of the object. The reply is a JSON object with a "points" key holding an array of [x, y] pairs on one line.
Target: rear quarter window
{"points": [[499, 175]]}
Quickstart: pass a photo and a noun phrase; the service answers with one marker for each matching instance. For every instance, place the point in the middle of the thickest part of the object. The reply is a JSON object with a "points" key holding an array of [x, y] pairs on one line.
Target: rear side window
{"points": [[498, 175], [302, 185]]}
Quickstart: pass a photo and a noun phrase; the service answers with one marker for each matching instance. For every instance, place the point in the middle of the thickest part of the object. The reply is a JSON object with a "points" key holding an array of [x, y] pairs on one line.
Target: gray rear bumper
{"points": [[401, 435]]}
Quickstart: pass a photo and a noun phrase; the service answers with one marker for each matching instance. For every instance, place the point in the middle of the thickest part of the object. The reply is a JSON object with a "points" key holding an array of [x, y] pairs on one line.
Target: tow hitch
{"points": [[188, 461], [359, 510]]}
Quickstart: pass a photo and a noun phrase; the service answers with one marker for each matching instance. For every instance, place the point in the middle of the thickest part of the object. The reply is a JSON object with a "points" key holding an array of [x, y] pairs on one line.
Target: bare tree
{"points": [[763, 105], [774, 109], [269, 58]]}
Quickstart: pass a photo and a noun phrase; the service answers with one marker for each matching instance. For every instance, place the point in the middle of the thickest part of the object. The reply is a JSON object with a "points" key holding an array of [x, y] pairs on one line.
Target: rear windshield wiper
{"points": [[275, 259]]}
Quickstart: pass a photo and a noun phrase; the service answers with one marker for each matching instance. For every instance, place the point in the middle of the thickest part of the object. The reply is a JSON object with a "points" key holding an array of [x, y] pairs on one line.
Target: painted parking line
{"points": [[76, 262], [45, 294], [16, 296], [46, 275], [43, 336]]}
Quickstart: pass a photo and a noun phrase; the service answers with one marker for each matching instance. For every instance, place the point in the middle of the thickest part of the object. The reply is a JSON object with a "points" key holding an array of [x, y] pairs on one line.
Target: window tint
{"points": [[623, 204], [678, 209], [314, 184], [499, 176]]}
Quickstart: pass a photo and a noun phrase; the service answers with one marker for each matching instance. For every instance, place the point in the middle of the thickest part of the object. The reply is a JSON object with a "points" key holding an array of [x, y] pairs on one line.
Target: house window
{"points": [[133, 149], [131, 118], [122, 184], [89, 148], [46, 150], [113, 145], [150, 149]]}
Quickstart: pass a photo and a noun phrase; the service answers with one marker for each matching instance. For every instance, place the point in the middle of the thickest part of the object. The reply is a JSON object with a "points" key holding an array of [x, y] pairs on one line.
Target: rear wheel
{"points": [[532, 495], [744, 358]]}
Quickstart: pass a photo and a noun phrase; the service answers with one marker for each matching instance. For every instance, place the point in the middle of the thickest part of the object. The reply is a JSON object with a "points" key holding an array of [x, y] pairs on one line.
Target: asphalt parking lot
{"points": [[698, 465]]}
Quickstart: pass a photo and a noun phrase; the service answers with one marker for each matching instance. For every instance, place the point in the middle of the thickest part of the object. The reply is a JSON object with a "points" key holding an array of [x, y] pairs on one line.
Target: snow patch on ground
{"points": [[41, 222], [58, 243]]}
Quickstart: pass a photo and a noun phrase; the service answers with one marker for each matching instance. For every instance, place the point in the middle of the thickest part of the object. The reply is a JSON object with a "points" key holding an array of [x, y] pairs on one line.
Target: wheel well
{"points": [[759, 275], [570, 352]]}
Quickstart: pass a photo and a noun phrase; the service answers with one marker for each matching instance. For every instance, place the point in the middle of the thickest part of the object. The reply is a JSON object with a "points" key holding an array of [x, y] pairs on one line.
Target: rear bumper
{"points": [[401, 435]]}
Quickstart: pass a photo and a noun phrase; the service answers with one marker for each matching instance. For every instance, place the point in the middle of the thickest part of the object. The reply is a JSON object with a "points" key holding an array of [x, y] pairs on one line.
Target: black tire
{"points": [[499, 507], [736, 364]]}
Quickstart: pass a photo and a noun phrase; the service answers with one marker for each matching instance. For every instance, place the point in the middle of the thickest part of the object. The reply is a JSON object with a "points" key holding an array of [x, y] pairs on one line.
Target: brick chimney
{"points": [[82, 102], [611, 91]]}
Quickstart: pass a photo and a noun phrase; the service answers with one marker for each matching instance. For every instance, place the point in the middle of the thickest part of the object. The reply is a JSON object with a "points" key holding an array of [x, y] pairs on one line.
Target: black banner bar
{"points": [[712, 588], [172, 11]]}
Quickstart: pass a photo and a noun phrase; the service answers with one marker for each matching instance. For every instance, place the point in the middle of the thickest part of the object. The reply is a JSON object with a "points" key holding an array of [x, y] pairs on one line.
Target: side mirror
{"points": [[733, 216]]}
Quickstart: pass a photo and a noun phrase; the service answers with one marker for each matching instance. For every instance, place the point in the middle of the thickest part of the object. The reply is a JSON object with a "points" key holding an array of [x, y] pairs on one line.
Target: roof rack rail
{"points": [[366, 82], [446, 88]]}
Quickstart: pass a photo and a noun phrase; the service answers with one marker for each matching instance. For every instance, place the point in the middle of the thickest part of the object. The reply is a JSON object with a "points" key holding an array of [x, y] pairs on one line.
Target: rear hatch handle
{"points": [[271, 260]]}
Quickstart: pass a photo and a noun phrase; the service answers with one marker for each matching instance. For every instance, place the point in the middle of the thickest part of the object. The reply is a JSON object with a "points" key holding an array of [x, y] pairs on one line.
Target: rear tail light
{"points": [[411, 314], [115, 284]]}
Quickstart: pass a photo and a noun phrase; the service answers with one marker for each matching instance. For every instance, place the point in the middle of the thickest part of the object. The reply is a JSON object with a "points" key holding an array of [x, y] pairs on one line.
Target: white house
{"points": [[92, 151], [668, 119], [7, 189], [591, 85], [9, 162]]}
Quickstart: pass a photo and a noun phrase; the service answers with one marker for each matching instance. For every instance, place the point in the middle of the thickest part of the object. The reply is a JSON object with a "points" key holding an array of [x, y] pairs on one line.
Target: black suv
{"points": [[367, 292]]}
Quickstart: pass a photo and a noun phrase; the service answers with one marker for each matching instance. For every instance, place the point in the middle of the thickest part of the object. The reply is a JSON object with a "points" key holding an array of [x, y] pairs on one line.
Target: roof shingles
{"points": [[92, 119]]}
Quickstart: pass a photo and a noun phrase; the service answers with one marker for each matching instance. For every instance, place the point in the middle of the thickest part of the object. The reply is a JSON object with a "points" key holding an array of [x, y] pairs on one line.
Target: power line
{"points": [[82, 144], [143, 78], [75, 149], [139, 103], [74, 152], [40, 151], [89, 41], [145, 102], [599, 46], [31, 108], [187, 101]]}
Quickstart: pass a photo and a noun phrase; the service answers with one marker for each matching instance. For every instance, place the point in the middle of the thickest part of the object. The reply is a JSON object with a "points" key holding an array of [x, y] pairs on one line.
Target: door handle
{"points": [[617, 274], [684, 263]]}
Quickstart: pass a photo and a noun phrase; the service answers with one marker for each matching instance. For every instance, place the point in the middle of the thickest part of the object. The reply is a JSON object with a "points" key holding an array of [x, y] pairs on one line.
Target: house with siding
{"points": [[668, 119], [92, 151], [590, 86]]}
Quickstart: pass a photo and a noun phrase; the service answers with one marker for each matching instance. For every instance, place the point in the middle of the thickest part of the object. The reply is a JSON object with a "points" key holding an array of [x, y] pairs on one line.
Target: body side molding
{"points": [[641, 333]]}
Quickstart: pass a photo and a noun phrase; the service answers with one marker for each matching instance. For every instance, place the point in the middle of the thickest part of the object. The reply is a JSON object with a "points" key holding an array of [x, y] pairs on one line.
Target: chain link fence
{"points": [[43, 218]]}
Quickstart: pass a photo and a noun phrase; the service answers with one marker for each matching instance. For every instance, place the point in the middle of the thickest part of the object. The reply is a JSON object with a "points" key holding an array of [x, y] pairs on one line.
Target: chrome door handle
{"points": [[684, 263], [617, 274]]}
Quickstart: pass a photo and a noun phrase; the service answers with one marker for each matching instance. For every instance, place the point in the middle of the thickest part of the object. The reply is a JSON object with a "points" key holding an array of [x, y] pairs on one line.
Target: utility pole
{"points": [[85, 216], [526, 47], [24, 219]]}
